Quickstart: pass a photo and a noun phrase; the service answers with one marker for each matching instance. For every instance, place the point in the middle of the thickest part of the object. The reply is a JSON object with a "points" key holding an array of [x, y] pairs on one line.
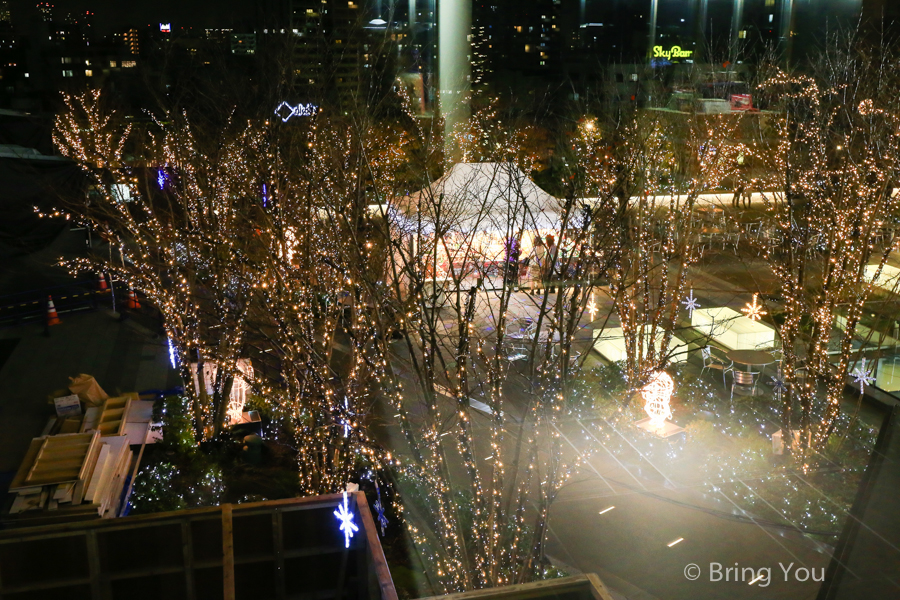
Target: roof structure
{"points": [[482, 197], [575, 587], [278, 549]]}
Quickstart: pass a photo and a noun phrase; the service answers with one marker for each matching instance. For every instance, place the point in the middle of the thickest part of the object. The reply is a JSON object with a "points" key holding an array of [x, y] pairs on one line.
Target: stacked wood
{"points": [[69, 477], [110, 417]]}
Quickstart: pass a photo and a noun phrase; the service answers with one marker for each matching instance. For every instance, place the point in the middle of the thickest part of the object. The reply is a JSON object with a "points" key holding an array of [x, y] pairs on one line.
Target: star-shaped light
{"points": [[691, 304], [592, 307], [345, 516], [755, 310], [862, 376], [379, 508]]}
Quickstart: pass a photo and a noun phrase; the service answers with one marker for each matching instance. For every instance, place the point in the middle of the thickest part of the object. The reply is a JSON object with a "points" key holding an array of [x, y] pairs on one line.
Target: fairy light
{"points": [[657, 394]]}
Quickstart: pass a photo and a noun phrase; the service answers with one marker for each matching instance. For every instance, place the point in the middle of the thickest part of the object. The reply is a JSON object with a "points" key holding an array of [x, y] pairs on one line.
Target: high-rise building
{"points": [[46, 10], [5, 14], [132, 41]]}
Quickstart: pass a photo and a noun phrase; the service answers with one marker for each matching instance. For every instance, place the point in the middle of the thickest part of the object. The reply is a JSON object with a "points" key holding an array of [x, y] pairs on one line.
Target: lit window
{"points": [[88, 73], [112, 63], [128, 63], [771, 17], [67, 73], [527, 47], [66, 60]]}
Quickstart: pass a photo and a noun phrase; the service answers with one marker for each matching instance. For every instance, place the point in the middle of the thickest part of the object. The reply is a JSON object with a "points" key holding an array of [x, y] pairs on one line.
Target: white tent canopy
{"points": [[493, 198]]}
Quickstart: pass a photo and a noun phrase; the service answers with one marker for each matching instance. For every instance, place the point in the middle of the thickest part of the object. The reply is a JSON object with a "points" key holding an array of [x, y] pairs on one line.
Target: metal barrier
{"points": [[28, 306]]}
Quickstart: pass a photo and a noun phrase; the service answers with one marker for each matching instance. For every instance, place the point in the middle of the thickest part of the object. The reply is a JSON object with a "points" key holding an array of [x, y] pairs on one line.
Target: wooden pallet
{"points": [[58, 459], [108, 419]]}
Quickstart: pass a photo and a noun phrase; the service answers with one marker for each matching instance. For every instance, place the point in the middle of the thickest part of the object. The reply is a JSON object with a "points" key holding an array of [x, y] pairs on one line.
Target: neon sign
{"points": [[165, 27], [673, 52], [285, 111]]}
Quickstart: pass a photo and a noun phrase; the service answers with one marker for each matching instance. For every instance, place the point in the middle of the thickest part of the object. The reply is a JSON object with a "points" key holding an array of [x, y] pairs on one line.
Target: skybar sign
{"points": [[673, 52]]}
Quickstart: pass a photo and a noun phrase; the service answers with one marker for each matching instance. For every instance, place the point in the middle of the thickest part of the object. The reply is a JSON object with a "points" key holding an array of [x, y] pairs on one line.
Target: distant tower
{"points": [[5, 16], [454, 61]]}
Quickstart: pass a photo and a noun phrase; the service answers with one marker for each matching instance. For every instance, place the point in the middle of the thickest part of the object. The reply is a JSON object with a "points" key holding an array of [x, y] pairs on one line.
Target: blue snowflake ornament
{"points": [[379, 508]]}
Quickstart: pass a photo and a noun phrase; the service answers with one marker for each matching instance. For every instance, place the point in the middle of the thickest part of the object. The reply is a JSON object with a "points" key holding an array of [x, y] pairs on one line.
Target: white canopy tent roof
{"points": [[483, 197]]}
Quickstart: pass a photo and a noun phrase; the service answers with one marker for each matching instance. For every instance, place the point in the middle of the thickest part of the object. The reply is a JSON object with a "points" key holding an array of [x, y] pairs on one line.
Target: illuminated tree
{"points": [[831, 160], [212, 227], [646, 173]]}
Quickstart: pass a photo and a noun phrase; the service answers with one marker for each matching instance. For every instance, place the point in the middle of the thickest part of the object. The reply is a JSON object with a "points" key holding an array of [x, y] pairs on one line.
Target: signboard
{"points": [[673, 52], [741, 102], [67, 405], [165, 27]]}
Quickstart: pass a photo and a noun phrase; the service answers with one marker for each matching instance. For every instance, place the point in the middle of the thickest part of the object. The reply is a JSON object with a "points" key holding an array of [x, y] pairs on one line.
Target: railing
{"points": [[31, 305]]}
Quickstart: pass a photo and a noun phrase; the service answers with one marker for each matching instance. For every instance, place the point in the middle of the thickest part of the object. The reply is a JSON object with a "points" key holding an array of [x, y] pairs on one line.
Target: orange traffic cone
{"points": [[52, 317], [132, 301], [101, 282]]}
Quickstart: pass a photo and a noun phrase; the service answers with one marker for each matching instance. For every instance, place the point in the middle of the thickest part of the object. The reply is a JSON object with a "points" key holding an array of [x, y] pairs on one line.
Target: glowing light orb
{"points": [[656, 395]]}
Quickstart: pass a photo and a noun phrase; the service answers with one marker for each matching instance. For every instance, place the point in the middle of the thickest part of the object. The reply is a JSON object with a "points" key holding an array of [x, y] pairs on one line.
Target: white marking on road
{"points": [[673, 542], [606, 510]]}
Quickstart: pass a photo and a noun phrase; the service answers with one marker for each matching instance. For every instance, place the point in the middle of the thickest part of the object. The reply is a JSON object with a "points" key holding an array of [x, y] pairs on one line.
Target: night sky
{"points": [[114, 15]]}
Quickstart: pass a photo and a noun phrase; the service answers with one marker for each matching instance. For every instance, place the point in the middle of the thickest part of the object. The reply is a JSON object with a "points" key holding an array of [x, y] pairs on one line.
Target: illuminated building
{"points": [[130, 38]]}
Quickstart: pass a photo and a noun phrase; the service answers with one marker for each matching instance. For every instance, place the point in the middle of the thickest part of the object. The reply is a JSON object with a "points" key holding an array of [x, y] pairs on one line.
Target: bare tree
{"points": [[831, 156]]}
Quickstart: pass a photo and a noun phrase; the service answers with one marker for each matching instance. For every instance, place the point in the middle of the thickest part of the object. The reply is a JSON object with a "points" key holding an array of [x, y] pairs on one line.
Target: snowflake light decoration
{"points": [[592, 307], [345, 516], [755, 310], [862, 376], [379, 509], [172, 355], [691, 304], [778, 385], [657, 394]]}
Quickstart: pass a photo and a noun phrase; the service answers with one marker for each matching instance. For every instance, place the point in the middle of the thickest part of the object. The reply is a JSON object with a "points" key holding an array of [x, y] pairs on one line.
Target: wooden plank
{"points": [[87, 469], [382, 572], [91, 418], [100, 470], [227, 553], [278, 547], [18, 481], [37, 459], [187, 554]]}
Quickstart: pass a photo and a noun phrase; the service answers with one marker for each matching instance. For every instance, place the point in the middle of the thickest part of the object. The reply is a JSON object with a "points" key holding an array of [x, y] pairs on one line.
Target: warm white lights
{"points": [[754, 310], [656, 396]]}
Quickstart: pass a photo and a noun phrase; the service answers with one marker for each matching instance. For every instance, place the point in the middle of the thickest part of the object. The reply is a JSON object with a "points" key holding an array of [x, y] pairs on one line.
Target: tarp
{"points": [[482, 197]]}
